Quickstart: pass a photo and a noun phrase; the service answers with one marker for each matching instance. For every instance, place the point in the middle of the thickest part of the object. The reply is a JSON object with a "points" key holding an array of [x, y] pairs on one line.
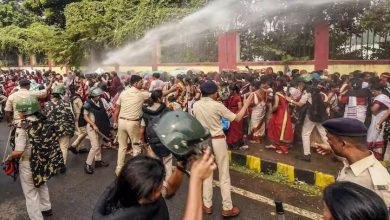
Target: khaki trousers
{"points": [[222, 160], [37, 199], [95, 153], [307, 129], [127, 129], [64, 144], [81, 133]]}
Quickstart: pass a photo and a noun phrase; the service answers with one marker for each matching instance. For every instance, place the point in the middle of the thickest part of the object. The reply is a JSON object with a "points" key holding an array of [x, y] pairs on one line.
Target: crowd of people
{"points": [[228, 110]]}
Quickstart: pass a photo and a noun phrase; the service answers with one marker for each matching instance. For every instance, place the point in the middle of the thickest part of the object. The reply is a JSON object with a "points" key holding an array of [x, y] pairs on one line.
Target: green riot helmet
{"points": [[182, 134], [60, 89], [95, 91], [28, 105]]}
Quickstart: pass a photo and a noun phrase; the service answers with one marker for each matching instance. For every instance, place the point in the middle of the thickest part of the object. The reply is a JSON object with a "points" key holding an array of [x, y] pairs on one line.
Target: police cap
{"points": [[348, 127], [208, 87], [24, 82]]}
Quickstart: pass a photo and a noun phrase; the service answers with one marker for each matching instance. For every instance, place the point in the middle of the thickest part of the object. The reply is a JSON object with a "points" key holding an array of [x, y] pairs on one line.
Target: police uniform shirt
{"points": [[369, 173], [77, 104], [209, 113], [19, 95], [131, 101]]}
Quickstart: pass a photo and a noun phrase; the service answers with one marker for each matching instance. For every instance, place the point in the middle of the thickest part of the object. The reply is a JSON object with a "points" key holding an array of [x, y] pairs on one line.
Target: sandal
{"points": [[270, 146], [281, 152]]}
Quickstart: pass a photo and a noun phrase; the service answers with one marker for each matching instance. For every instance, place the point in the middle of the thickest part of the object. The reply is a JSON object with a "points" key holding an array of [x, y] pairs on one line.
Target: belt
{"points": [[128, 119], [219, 137]]}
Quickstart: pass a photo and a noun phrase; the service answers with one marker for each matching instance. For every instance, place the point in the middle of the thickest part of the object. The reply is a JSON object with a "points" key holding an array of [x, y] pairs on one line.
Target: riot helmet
{"points": [[182, 134], [95, 91], [28, 105]]}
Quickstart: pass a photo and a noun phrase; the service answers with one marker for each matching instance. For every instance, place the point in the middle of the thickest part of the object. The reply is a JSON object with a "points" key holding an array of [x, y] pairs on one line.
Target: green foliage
{"points": [[33, 39], [77, 31], [51, 11], [13, 13]]}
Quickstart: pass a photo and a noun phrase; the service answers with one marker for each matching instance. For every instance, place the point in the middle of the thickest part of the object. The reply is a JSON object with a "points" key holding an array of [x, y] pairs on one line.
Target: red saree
{"points": [[280, 130], [235, 132]]}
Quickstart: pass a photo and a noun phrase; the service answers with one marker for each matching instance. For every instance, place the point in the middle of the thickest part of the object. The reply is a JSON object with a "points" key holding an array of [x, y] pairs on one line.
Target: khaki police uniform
{"points": [[209, 112], [19, 95], [37, 199], [130, 103], [369, 173], [95, 153], [81, 132]]}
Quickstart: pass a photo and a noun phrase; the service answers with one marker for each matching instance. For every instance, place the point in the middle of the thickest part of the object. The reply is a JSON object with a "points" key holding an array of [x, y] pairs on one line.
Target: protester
{"points": [[280, 130], [350, 201]]}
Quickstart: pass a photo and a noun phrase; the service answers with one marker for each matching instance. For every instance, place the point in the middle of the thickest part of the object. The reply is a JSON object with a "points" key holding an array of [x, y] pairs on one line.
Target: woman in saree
{"points": [[280, 131], [235, 133], [258, 110], [379, 107]]}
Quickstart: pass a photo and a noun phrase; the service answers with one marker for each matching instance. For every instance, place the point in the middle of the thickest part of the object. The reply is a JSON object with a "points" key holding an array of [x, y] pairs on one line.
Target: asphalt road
{"points": [[74, 194]]}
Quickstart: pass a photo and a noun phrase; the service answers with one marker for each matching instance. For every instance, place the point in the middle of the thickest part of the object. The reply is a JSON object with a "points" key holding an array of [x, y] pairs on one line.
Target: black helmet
{"points": [[182, 134]]}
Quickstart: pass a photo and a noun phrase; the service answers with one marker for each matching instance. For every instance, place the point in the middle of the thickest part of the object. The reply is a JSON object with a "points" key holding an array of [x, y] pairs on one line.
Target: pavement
{"points": [[74, 194]]}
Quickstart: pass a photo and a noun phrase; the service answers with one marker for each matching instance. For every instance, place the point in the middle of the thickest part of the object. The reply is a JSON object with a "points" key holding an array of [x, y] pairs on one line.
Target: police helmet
{"points": [[95, 91], [182, 134], [28, 105]]}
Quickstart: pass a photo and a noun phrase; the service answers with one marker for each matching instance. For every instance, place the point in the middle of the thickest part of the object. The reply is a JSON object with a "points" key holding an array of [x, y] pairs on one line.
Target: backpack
{"points": [[317, 109], [150, 135]]}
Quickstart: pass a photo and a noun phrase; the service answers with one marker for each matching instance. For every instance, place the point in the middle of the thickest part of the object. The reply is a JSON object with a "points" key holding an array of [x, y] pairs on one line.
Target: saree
{"points": [[280, 130]]}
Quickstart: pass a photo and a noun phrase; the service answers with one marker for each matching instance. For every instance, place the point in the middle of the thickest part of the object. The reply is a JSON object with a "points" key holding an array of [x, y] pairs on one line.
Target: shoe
{"points": [[88, 169], [101, 163], [207, 211], [47, 212], [306, 158], [231, 213], [83, 151], [73, 150]]}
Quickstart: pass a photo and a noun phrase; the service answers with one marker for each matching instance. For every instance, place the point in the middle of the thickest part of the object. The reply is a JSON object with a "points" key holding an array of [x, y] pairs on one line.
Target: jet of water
{"points": [[220, 15]]}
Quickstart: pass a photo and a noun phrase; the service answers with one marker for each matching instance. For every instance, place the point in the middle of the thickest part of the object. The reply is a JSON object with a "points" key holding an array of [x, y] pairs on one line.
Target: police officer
{"points": [[347, 139], [61, 111], [127, 115], [209, 112], [37, 199], [95, 113], [23, 92], [80, 124]]}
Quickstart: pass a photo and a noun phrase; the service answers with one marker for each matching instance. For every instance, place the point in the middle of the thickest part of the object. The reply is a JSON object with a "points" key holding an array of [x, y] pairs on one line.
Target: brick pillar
{"points": [[156, 54], [228, 50], [20, 60], [321, 46]]}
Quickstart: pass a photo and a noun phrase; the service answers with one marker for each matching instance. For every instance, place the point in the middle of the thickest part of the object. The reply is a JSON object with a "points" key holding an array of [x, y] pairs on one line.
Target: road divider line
{"points": [[268, 201]]}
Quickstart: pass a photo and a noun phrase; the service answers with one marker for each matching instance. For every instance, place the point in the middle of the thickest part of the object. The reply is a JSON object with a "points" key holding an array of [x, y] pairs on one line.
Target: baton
{"points": [[8, 140], [103, 136]]}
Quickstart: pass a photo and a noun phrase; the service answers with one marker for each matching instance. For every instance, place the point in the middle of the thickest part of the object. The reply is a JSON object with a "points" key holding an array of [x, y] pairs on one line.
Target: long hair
{"points": [[139, 178], [154, 97], [350, 201]]}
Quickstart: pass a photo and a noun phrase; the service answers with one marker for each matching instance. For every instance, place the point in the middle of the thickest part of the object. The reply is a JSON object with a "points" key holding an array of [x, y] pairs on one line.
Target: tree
{"points": [[13, 13], [50, 11]]}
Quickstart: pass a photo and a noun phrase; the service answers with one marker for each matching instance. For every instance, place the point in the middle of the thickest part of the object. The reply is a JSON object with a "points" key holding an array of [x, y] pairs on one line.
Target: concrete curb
{"points": [[294, 174]]}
